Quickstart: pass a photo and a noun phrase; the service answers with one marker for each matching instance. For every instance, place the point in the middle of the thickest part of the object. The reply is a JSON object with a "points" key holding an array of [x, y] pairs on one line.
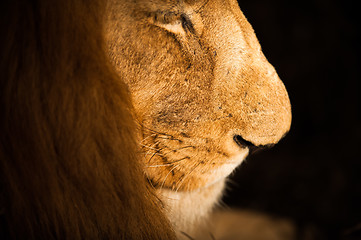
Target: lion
{"points": [[204, 96], [122, 119]]}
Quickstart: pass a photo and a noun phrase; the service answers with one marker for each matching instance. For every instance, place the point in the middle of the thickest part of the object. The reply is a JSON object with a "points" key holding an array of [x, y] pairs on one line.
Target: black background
{"points": [[313, 176]]}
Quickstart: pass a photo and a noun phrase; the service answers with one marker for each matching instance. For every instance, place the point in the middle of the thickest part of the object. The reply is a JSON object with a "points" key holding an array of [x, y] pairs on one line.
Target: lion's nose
{"points": [[243, 143]]}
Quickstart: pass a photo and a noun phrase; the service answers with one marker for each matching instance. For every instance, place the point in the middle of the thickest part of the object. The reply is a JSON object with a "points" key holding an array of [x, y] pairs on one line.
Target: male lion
{"points": [[203, 97]]}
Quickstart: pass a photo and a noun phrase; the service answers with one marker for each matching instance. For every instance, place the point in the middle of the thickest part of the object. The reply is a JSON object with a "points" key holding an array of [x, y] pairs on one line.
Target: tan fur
{"points": [[69, 156], [197, 77]]}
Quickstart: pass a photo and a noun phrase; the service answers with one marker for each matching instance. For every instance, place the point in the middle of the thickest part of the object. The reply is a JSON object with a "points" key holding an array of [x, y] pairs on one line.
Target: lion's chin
{"points": [[221, 172], [229, 165]]}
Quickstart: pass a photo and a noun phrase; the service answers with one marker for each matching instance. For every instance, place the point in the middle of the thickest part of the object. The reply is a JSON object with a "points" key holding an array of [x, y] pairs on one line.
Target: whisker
{"points": [[160, 165], [150, 147], [149, 153], [154, 154], [167, 138], [171, 138], [182, 181], [179, 160], [151, 135], [151, 130], [169, 163], [162, 185], [177, 149]]}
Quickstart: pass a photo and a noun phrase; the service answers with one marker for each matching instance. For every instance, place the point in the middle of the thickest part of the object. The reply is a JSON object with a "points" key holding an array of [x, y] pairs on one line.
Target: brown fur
{"points": [[68, 168]]}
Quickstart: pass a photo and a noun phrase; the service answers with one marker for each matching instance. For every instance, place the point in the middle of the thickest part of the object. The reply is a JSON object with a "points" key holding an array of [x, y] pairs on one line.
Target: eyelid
{"points": [[166, 17], [187, 23], [176, 22]]}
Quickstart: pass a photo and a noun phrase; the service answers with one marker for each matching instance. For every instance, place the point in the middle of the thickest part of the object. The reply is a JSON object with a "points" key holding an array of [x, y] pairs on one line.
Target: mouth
{"points": [[193, 173], [184, 163]]}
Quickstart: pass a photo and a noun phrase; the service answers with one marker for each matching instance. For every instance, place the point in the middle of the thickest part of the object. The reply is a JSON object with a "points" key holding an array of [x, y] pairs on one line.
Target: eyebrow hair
{"points": [[197, 4]]}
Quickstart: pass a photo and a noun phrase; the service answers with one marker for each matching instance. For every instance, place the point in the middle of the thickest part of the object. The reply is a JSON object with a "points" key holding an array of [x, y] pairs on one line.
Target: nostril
{"points": [[242, 142]]}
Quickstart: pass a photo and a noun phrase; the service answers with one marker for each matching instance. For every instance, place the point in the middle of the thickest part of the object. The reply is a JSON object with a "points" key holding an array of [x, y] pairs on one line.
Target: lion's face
{"points": [[201, 87]]}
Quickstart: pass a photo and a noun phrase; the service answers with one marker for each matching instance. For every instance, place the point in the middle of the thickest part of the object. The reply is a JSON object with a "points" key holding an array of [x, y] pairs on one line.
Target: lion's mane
{"points": [[68, 162]]}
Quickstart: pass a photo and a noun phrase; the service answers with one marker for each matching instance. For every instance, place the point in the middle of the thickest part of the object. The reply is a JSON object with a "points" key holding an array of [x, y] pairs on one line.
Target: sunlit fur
{"points": [[198, 77]]}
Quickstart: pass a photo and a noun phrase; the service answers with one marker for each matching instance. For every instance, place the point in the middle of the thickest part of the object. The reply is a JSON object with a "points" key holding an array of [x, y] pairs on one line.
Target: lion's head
{"points": [[203, 96], [204, 93]]}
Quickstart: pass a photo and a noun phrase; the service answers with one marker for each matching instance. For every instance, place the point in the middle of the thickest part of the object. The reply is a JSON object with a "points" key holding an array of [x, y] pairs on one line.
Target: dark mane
{"points": [[68, 168]]}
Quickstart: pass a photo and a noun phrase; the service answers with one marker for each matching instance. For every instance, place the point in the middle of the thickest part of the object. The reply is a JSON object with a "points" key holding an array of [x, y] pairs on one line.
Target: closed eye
{"points": [[177, 23], [187, 23]]}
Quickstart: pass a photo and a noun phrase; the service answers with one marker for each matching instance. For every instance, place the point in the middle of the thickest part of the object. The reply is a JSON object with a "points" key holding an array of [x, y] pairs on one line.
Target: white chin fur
{"points": [[187, 211], [227, 168]]}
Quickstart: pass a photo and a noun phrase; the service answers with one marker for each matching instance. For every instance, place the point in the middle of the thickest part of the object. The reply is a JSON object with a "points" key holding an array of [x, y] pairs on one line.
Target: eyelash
{"points": [[172, 18], [187, 23]]}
